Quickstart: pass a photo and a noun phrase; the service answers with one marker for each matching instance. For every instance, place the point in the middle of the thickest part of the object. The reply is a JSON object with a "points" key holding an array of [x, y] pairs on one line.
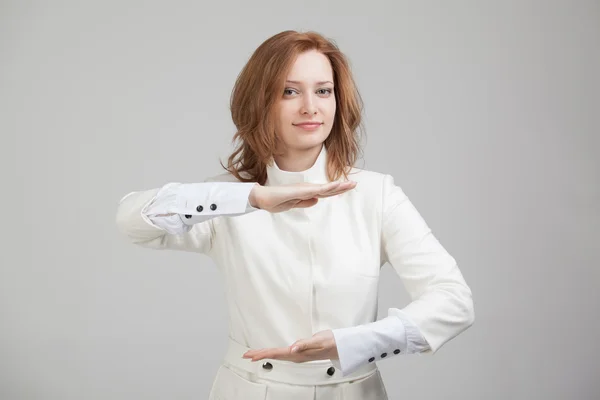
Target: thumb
{"points": [[303, 345], [298, 347]]}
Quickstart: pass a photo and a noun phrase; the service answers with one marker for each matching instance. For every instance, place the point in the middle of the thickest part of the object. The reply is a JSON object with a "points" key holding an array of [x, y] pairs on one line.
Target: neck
{"points": [[294, 160]]}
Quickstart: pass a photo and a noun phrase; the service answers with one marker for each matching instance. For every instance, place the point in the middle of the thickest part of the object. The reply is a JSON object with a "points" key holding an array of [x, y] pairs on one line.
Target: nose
{"points": [[308, 105]]}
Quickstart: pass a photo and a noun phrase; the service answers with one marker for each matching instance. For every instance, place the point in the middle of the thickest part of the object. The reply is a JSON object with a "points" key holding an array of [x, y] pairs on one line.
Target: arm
{"points": [[160, 213], [178, 216], [190, 209], [441, 306]]}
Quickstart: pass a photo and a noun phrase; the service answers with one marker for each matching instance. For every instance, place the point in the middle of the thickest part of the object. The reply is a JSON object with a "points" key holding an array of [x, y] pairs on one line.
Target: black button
{"points": [[330, 371], [268, 365], [383, 355], [213, 207], [371, 359], [396, 351], [188, 216], [199, 208]]}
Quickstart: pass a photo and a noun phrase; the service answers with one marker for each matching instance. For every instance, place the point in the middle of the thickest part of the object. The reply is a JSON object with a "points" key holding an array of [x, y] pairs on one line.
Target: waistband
{"points": [[319, 372]]}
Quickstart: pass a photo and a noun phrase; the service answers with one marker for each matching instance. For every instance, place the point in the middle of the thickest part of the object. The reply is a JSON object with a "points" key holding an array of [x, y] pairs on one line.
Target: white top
{"points": [[289, 275]]}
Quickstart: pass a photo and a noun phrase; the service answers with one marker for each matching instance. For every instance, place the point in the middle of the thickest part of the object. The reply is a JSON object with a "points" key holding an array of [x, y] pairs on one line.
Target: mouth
{"points": [[309, 125]]}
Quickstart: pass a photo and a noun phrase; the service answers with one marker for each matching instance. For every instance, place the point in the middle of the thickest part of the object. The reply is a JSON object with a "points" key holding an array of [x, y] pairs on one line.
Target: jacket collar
{"points": [[317, 173]]}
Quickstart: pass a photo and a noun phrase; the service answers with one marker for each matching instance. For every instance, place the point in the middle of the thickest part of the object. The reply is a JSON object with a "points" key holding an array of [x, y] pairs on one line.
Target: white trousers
{"points": [[240, 378]]}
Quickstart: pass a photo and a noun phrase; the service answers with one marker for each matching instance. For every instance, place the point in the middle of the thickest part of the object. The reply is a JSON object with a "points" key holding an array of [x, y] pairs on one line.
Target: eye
{"points": [[287, 90], [327, 91]]}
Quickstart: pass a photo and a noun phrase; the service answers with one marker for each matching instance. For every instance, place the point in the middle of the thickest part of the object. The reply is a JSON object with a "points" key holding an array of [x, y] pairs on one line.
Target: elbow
{"points": [[127, 220], [123, 222], [133, 225], [471, 315], [128, 228], [469, 310], [463, 306]]}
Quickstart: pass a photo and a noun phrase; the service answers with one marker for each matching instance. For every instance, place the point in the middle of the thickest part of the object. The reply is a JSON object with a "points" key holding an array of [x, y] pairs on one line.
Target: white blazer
{"points": [[289, 275]]}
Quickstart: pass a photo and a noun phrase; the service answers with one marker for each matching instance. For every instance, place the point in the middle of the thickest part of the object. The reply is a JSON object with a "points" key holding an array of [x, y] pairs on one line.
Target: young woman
{"points": [[300, 235]]}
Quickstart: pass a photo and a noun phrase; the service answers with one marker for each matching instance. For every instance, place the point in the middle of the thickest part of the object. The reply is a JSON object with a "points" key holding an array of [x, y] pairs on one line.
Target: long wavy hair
{"points": [[259, 87]]}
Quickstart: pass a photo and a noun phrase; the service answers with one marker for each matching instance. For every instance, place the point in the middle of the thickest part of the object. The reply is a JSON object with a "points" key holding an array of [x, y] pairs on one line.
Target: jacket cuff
{"points": [[199, 201], [364, 344], [196, 202]]}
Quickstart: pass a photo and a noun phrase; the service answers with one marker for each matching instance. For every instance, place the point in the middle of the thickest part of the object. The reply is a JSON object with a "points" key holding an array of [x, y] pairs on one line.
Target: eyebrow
{"points": [[318, 83]]}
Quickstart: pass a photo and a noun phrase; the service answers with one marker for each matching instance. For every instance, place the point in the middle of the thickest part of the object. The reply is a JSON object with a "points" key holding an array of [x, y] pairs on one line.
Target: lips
{"points": [[309, 124]]}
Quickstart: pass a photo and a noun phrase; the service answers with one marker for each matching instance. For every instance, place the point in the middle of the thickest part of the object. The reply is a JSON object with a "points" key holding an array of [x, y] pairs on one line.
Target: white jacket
{"points": [[289, 275]]}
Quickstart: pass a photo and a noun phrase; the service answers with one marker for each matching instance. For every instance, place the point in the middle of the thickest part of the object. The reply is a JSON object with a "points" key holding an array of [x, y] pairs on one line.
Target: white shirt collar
{"points": [[317, 173]]}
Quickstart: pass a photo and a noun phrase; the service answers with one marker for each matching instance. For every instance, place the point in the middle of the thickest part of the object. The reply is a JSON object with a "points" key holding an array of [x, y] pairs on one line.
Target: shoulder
{"points": [[370, 180], [379, 187], [369, 186]]}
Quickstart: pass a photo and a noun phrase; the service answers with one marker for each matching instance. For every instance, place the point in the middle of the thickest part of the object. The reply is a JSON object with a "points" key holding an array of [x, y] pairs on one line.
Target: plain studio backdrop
{"points": [[486, 113]]}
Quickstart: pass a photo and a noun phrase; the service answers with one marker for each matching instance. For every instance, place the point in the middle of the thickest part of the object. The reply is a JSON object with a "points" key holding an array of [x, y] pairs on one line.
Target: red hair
{"points": [[260, 85]]}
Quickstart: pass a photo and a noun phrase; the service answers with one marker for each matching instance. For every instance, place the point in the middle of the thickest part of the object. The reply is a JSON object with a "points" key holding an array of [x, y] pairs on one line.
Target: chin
{"points": [[308, 143], [304, 141]]}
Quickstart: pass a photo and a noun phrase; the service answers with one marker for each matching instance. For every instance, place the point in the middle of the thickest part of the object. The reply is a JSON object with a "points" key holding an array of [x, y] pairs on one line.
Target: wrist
{"points": [[254, 196]]}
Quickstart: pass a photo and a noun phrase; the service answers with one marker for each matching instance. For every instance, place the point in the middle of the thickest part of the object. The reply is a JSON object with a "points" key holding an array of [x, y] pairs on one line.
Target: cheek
{"points": [[285, 114], [330, 110], [284, 120]]}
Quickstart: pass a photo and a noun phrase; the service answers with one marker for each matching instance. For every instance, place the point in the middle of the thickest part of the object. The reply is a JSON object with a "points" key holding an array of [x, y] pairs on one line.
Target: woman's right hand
{"points": [[298, 195]]}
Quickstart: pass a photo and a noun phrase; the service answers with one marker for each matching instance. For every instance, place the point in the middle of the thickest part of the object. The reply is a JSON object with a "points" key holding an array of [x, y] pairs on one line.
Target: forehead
{"points": [[311, 66]]}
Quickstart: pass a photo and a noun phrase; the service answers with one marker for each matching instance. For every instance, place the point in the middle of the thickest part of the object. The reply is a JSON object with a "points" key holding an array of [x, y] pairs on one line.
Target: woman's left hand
{"points": [[321, 346]]}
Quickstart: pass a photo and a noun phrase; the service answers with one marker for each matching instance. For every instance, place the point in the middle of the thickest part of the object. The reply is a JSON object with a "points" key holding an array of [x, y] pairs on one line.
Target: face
{"points": [[308, 97]]}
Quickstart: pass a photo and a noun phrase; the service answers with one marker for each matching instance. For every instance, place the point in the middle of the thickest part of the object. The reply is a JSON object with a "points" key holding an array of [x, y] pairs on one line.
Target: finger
{"points": [[312, 189], [258, 354], [344, 187], [330, 187], [274, 354], [336, 192], [323, 190], [340, 186], [251, 353], [302, 356], [306, 345]]}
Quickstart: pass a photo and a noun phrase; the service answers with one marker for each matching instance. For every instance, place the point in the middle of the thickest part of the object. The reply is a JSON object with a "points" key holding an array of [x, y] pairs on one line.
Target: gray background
{"points": [[486, 113]]}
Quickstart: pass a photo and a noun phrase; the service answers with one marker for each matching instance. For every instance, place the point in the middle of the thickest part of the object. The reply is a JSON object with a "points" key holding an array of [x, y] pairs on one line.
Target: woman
{"points": [[301, 244]]}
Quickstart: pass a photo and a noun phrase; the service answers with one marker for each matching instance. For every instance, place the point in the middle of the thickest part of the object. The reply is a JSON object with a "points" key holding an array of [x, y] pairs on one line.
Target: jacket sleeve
{"points": [[189, 208], [159, 210], [441, 304]]}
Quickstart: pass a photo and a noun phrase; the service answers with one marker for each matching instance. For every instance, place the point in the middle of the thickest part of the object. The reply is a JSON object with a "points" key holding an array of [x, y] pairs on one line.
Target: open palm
{"points": [[298, 195]]}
